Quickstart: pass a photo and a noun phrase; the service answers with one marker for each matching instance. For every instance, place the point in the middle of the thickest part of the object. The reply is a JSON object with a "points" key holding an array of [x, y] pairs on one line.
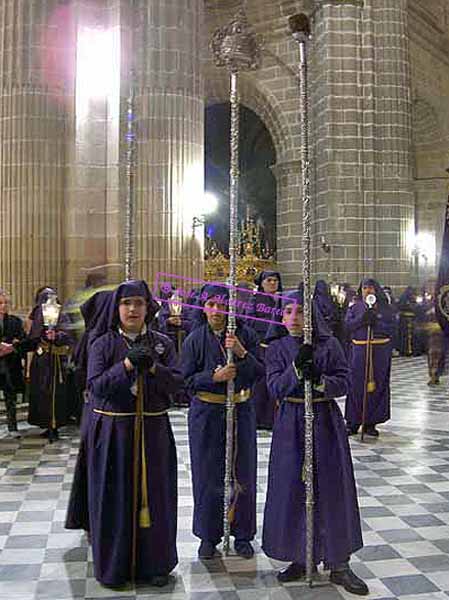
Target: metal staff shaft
{"points": [[130, 176], [300, 29], [233, 235]]}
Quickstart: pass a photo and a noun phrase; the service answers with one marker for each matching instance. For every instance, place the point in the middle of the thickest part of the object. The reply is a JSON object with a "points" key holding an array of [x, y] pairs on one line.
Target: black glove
{"points": [[305, 355], [370, 317], [311, 372], [140, 357]]}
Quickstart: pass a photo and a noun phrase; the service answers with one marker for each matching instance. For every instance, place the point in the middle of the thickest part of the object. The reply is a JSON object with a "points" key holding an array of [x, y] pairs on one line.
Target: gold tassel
{"points": [[371, 386], [144, 514]]}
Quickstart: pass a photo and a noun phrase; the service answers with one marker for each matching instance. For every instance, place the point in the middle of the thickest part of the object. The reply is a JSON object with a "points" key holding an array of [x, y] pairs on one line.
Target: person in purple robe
{"points": [[266, 307], [323, 300], [337, 530], [206, 372], [370, 364], [132, 467], [95, 312], [48, 390]]}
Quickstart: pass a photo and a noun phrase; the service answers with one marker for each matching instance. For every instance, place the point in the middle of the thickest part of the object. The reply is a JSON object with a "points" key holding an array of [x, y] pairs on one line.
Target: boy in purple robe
{"points": [[337, 532], [374, 380], [268, 282], [132, 469], [205, 368]]}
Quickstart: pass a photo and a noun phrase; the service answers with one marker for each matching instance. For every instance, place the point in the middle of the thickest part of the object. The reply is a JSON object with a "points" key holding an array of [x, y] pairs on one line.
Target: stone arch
{"points": [[259, 101]]}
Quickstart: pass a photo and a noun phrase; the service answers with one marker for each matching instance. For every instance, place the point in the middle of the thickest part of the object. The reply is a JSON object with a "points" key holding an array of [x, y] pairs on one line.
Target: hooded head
{"points": [[132, 305], [292, 315], [265, 275], [322, 288], [376, 289], [214, 298]]}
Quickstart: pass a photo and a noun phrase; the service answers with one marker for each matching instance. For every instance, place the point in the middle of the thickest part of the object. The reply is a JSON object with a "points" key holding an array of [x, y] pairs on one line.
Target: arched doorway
{"points": [[257, 190]]}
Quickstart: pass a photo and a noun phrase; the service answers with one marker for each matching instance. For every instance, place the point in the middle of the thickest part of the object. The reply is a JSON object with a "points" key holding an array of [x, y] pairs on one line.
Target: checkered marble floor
{"points": [[403, 485]]}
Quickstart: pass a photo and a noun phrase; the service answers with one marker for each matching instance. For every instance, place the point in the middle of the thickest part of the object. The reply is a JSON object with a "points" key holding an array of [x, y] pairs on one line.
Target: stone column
{"points": [[92, 217], [170, 136], [362, 116], [35, 78]]}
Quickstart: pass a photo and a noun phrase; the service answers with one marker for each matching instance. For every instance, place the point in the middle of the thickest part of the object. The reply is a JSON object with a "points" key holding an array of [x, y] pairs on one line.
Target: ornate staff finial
{"points": [[300, 27], [235, 45]]}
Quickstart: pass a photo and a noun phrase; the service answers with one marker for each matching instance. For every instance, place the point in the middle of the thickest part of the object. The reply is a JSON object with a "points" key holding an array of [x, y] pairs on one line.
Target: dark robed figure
{"points": [[11, 371], [411, 334], [337, 532], [265, 306], [204, 366], [132, 490], [323, 300], [375, 376], [96, 315], [49, 390]]}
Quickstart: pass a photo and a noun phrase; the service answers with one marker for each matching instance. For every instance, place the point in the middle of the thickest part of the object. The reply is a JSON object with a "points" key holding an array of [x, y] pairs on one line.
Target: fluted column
{"points": [[170, 136], [35, 77]]}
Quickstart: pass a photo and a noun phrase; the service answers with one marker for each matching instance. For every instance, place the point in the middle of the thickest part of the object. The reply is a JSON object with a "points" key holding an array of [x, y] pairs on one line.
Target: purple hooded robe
{"points": [[202, 353], [378, 401], [111, 457], [337, 531]]}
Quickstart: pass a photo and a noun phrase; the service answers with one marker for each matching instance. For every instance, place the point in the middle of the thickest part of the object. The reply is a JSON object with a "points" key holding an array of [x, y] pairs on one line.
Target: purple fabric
{"points": [[40, 408], [337, 532], [202, 353], [264, 275], [325, 304], [128, 289], [378, 405], [110, 460]]}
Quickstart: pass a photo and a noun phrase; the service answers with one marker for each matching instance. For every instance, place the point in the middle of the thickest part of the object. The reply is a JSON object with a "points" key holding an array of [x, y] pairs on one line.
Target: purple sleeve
{"points": [[354, 318], [335, 370], [250, 367], [195, 379], [103, 380], [281, 378]]}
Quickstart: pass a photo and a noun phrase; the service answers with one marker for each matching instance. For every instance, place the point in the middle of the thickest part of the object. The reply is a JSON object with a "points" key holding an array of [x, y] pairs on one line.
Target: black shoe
{"points": [[243, 549], [160, 580], [350, 582], [53, 435], [371, 431], [352, 429], [207, 550], [293, 572], [44, 434]]}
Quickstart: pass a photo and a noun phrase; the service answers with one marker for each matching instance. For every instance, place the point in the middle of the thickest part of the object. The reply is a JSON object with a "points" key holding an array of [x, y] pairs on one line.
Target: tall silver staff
{"points": [[234, 47], [130, 176], [300, 29]]}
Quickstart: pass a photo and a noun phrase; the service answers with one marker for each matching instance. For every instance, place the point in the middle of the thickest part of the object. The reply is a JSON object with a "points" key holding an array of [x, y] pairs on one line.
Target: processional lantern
{"points": [[50, 312]]}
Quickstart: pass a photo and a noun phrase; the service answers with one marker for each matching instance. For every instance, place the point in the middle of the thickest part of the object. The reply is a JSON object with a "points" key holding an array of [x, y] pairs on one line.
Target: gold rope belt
{"points": [[374, 342], [302, 400], [407, 314], [128, 414], [211, 398], [58, 350]]}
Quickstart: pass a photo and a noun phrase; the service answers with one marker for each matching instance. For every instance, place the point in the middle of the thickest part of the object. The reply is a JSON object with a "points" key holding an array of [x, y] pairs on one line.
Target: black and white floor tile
{"points": [[403, 484]]}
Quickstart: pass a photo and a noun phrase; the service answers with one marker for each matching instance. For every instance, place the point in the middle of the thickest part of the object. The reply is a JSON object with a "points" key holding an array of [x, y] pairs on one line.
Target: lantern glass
{"points": [[50, 312]]}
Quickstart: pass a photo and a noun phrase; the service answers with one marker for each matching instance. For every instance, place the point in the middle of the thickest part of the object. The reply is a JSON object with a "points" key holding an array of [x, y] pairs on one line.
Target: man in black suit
{"points": [[11, 372]]}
